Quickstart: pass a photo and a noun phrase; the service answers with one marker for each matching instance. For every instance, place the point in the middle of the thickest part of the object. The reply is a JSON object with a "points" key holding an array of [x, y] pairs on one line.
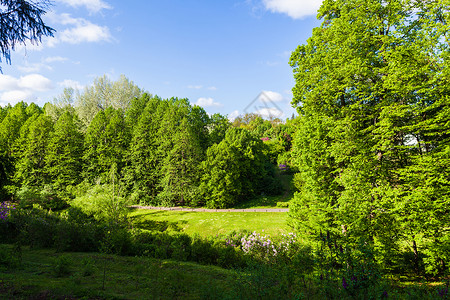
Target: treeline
{"points": [[140, 147]]}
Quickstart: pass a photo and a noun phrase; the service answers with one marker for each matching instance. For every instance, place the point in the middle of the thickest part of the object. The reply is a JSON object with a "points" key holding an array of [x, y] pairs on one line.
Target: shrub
{"points": [[61, 266], [46, 197], [116, 240], [9, 257], [102, 202]]}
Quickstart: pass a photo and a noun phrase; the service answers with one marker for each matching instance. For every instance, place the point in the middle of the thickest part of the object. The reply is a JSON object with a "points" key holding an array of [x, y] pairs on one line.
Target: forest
{"points": [[161, 152], [369, 155]]}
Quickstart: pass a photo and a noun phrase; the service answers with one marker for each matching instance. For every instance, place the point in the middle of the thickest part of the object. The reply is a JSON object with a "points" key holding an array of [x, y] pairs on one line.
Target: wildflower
{"points": [[344, 283]]}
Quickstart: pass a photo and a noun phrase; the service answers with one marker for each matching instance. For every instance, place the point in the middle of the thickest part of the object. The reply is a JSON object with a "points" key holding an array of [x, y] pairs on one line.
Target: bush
{"points": [[37, 227], [116, 240], [283, 204], [10, 258], [62, 266], [100, 201], [46, 197], [347, 269]]}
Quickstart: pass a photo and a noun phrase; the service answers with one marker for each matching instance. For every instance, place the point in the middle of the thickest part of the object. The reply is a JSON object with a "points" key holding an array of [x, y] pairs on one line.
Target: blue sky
{"points": [[220, 54]]}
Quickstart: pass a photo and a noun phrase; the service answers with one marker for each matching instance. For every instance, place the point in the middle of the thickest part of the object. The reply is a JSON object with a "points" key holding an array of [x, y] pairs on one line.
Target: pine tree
{"points": [[142, 172], [184, 146], [9, 133], [64, 152], [30, 165]]}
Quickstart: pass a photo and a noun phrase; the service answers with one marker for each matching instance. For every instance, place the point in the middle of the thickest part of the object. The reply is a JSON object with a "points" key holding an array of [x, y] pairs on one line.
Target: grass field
{"points": [[46, 274], [125, 278], [210, 223]]}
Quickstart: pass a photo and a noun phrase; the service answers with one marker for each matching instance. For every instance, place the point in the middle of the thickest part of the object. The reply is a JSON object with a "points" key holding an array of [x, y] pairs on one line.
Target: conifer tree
{"points": [[184, 146], [30, 165], [9, 133], [65, 152], [144, 159]]}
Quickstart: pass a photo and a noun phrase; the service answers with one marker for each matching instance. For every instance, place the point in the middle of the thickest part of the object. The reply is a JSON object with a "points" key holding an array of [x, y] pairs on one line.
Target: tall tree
{"points": [[106, 142], [370, 83], [105, 93], [64, 152], [185, 131], [144, 158], [30, 166], [9, 133]]}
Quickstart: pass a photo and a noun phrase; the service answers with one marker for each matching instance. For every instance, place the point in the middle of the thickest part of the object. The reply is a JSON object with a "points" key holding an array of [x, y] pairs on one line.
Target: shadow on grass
{"points": [[279, 201], [153, 225]]}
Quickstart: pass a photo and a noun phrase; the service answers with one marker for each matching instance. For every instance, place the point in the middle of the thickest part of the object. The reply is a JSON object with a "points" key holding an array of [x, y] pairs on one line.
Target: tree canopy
{"points": [[372, 90]]}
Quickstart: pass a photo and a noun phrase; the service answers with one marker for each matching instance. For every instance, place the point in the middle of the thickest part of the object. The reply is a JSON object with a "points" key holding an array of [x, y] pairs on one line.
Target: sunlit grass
{"points": [[210, 223]]}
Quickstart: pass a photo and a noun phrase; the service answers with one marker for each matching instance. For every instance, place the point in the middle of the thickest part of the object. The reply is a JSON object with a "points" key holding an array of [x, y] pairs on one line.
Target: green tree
{"points": [[370, 83], [30, 165], [65, 152], [180, 167], [144, 157], [185, 129], [9, 133], [105, 93], [106, 143], [234, 169]]}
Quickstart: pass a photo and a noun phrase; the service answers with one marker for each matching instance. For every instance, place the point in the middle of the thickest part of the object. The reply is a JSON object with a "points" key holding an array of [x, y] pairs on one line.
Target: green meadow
{"points": [[210, 223]]}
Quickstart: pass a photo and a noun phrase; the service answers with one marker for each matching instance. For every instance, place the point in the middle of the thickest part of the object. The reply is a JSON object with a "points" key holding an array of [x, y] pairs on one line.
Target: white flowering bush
{"points": [[263, 247], [258, 245]]}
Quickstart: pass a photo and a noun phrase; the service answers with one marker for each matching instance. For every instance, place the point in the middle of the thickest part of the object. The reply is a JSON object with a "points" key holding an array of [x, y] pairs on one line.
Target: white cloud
{"points": [[93, 6], [270, 96], [23, 88], [7, 82], [269, 112], [44, 64], [13, 97], [207, 102], [234, 114], [295, 9], [55, 59], [35, 82], [86, 31], [79, 30], [195, 87], [212, 88], [68, 83]]}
